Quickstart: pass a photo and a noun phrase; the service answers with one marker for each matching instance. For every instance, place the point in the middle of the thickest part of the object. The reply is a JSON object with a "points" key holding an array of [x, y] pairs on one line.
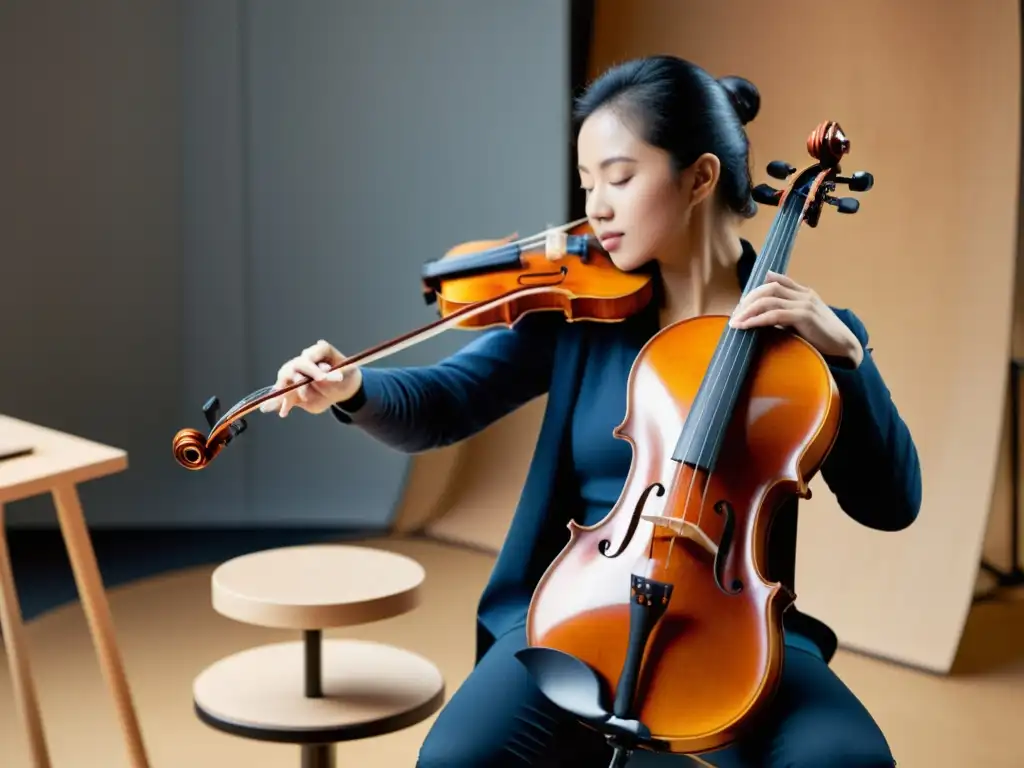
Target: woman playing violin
{"points": [[663, 157]]}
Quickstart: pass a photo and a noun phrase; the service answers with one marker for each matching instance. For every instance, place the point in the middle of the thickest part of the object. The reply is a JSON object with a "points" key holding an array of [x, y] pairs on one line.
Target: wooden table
{"points": [[57, 463]]}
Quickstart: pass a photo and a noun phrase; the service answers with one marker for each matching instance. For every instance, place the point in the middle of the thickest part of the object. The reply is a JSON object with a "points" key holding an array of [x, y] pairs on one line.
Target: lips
{"points": [[610, 240]]}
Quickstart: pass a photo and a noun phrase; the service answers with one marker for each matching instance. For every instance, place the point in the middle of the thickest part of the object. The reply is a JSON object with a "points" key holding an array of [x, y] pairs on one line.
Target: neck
{"points": [[700, 277]]}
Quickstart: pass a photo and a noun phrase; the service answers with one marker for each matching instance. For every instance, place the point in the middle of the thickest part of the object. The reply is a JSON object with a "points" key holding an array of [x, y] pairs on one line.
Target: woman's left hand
{"points": [[784, 302]]}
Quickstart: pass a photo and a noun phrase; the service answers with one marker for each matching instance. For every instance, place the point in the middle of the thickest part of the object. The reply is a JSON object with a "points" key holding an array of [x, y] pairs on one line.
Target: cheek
{"points": [[655, 218], [661, 212]]}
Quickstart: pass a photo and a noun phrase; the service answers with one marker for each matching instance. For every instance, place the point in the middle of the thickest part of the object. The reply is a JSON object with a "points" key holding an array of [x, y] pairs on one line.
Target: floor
{"points": [[159, 594]]}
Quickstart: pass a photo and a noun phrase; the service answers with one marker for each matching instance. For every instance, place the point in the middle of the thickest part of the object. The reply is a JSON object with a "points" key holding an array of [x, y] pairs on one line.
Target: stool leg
{"points": [[314, 676], [315, 755], [318, 756]]}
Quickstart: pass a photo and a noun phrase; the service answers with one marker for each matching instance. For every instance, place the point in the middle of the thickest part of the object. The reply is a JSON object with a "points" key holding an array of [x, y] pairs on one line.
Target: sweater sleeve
{"points": [[873, 468], [415, 409]]}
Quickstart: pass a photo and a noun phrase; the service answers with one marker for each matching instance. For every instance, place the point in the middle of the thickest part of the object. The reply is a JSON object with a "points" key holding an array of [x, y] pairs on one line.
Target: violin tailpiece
{"points": [[648, 601]]}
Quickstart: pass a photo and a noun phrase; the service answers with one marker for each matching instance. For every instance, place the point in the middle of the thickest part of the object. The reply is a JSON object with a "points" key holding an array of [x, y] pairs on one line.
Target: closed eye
{"points": [[621, 183]]}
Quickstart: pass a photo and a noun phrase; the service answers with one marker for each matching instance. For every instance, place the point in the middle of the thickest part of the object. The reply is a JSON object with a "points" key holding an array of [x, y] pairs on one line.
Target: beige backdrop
{"points": [[930, 101]]}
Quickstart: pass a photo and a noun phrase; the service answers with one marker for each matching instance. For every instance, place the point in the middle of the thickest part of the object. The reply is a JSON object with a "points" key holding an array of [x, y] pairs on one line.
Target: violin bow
{"points": [[195, 451]]}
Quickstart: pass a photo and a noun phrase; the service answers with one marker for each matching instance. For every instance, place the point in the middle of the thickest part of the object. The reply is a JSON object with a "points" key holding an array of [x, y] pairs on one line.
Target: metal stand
{"points": [[315, 755], [620, 757], [1014, 577]]}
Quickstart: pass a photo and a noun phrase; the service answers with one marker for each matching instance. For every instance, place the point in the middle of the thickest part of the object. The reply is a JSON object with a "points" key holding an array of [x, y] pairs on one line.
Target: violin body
{"points": [[666, 605], [715, 657], [584, 285]]}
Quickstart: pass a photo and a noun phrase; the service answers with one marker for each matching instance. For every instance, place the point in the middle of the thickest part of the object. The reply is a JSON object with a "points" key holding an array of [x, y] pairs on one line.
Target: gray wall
{"points": [[90, 238], [287, 166]]}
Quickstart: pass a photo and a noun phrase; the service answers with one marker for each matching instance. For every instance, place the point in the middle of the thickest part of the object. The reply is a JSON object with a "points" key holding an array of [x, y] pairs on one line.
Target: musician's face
{"points": [[637, 203]]}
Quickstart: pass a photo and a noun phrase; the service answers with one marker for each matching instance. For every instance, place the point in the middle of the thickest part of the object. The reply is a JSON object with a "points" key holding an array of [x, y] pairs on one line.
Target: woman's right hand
{"points": [[326, 388]]}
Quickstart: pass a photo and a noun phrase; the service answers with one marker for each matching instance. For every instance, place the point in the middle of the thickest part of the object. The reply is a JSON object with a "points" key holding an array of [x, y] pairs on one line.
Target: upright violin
{"points": [[478, 284], [656, 625]]}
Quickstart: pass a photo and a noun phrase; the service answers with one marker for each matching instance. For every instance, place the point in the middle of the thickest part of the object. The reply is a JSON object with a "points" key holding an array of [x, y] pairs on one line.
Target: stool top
{"points": [[369, 689], [316, 586]]}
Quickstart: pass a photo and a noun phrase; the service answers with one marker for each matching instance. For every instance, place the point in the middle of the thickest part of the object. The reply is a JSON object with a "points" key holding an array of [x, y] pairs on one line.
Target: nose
{"points": [[596, 208]]}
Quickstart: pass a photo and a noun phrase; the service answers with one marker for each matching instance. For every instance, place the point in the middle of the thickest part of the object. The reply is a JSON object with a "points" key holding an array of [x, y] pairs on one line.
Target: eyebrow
{"points": [[608, 161]]}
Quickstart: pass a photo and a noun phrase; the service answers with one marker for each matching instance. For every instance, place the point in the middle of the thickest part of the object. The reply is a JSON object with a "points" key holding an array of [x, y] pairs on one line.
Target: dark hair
{"points": [[677, 106]]}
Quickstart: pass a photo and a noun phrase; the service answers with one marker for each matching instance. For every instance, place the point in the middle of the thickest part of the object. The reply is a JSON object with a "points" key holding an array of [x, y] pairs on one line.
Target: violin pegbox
{"points": [[828, 145]]}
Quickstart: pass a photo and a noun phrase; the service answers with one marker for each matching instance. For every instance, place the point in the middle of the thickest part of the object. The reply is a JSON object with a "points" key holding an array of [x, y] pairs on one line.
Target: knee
{"points": [[447, 748], [841, 754], [432, 756], [434, 753]]}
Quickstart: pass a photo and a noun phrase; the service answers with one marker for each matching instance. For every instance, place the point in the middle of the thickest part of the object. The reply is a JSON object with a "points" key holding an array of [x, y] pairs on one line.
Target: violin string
{"points": [[719, 367], [746, 340], [727, 358], [714, 374], [539, 237], [719, 364]]}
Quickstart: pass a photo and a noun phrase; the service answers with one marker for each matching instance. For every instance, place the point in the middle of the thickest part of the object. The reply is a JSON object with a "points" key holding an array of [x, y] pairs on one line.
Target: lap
{"points": [[815, 721], [499, 718]]}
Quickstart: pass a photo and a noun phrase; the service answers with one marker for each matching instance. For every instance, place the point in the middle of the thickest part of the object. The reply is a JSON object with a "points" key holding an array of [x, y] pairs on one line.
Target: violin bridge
{"points": [[556, 244], [683, 530]]}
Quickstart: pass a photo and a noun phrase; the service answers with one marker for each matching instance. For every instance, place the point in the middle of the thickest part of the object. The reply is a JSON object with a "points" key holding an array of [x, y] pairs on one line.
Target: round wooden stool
{"points": [[317, 692]]}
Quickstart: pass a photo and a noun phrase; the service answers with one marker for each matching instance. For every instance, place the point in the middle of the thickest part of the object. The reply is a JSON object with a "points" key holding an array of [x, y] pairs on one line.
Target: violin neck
{"points": [[778, 245], [704, 431], [491, 260]]}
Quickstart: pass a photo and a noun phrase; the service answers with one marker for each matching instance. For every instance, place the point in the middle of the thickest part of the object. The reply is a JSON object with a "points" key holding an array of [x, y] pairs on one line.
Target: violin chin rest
{"points": [[568, 682]]}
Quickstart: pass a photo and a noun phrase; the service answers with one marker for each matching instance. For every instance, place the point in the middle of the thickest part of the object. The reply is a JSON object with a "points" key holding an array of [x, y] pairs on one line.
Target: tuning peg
{"points": [[766, 195], [780, 169], [844, 204], [860, 181], [211, 410]]}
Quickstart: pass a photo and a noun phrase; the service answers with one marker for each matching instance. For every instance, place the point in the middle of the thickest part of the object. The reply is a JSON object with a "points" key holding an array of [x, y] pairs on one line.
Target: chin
{"points": [[627, 262]]}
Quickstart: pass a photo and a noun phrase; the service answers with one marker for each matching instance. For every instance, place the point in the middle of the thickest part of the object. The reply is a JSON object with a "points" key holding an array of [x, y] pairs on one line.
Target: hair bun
{"points": [[746, 99]]}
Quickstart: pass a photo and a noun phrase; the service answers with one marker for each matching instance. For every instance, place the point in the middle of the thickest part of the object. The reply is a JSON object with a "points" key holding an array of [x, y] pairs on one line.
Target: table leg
{"points": [[97, 612], [315, 755], [17, 656]]}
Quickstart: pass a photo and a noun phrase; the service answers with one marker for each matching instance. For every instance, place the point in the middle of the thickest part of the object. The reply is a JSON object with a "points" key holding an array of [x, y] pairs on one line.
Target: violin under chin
{"points": [[714, 657]]}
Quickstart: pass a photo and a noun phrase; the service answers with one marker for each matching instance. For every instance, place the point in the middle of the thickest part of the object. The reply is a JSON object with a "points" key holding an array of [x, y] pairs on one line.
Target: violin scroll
{"points": [[827, 144], [194, 450], [189, 447]]}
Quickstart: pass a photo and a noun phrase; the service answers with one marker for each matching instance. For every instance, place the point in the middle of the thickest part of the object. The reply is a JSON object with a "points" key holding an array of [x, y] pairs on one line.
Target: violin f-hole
{"points": [[634, 521], [537, 278], [724, 508]]}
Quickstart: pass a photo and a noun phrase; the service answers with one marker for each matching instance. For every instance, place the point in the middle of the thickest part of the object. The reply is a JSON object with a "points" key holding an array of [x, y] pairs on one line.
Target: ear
{"points": [[704, 172]]}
